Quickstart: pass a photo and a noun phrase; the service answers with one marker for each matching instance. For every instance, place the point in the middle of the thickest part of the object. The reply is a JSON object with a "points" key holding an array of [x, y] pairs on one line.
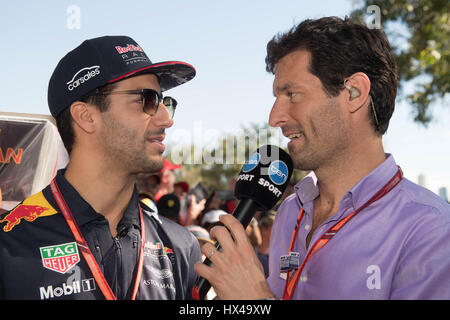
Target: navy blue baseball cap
{"points": [[99, 61]]}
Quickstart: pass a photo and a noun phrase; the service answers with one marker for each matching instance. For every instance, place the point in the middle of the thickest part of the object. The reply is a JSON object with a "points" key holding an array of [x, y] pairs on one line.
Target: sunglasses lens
{"points": [[170, 104], [151, 101]]}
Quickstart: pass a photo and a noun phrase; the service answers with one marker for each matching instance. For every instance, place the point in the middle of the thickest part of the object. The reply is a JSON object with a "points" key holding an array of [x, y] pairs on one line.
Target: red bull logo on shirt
{"points": [[29, 210], [157, 248]]}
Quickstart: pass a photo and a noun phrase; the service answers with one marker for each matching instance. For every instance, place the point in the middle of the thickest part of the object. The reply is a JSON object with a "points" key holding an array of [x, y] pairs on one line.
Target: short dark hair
{"points": [[64, 120], [340, 48]]}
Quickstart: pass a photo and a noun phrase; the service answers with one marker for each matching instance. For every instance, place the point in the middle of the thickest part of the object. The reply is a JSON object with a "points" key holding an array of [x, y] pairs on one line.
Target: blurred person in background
{"points": [[169, 207], [147, 185], [167, 179], [203, 237], [211, 203], [201, 234], [254, 233], [265, 226], [180, 189], [211, 218], [191, 207]]}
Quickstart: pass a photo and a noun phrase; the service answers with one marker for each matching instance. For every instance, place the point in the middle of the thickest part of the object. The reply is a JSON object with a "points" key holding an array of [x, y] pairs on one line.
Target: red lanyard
{"points": [[291, 283], [87, 254]]}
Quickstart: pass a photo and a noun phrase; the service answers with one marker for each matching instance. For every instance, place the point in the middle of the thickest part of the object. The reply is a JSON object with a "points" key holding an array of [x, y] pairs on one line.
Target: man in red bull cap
{"points": [[86, 235]]}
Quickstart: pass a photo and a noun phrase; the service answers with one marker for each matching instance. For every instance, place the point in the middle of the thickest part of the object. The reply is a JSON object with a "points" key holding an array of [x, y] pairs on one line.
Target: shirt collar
{"points": [[131, 214], [367, 187], [83, 212], [307, 189]]}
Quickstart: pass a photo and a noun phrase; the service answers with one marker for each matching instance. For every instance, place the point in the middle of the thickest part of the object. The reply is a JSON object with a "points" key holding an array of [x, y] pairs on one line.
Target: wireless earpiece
{"points": [[354, 93]]}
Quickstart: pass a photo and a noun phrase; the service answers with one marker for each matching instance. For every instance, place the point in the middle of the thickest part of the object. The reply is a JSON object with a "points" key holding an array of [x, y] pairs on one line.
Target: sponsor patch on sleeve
{"points": [[29, 210]]}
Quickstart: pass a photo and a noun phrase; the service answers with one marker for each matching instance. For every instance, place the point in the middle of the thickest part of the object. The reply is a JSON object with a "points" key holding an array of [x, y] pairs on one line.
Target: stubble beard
{"points": [[326, 140], [125, 149]]}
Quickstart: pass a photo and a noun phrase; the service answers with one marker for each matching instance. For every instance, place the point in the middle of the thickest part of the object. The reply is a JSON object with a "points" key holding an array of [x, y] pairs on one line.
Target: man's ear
{"points": [[83, 116], [358, 86]]}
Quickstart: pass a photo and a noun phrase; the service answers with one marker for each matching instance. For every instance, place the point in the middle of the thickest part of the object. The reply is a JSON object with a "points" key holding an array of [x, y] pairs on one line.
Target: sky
{"points": [[226, 43]]}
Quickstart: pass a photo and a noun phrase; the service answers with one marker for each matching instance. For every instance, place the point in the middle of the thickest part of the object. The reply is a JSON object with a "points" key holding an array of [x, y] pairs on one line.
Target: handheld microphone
{"points": [[259, 186]]}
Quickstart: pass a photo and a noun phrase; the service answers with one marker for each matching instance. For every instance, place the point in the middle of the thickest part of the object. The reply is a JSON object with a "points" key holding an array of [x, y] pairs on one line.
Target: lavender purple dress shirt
{"points": [[396, 248]]}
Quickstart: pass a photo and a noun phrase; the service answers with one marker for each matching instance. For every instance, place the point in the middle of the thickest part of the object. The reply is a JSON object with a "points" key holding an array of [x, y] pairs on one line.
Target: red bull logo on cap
{"points": [[128, 48], [29, 210]]}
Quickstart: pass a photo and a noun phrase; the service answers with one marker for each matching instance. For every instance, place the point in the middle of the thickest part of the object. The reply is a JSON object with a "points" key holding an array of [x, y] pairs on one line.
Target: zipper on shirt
{"points": [[118, 253], [117, 242]]}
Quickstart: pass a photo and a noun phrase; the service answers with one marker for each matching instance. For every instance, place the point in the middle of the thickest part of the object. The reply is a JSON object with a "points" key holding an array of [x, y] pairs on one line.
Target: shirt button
{"points": [[307, 227], [303, 278]]}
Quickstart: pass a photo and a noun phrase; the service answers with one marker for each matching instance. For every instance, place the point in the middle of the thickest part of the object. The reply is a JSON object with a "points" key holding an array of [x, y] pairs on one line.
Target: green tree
{"points": [[422, 53]]}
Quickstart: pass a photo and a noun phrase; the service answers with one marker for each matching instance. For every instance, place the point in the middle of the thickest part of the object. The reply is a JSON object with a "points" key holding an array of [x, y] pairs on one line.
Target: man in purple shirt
{"points": [[355, 228]]}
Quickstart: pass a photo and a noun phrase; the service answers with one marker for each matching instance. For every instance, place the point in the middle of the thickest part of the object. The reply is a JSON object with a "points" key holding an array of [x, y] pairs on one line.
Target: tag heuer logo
{"points": [[61, 257]]}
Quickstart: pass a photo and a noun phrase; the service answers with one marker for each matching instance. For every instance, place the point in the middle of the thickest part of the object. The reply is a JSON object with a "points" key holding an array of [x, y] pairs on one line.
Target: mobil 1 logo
{"points": [[67, 289]]}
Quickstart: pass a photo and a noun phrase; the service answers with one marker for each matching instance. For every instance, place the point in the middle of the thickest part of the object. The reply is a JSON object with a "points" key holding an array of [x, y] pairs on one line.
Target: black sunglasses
{"points": [[150, 100]]}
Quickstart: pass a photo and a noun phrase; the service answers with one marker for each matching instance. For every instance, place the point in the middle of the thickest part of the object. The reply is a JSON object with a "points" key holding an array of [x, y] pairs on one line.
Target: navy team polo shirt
{"points": [[39, 258]]}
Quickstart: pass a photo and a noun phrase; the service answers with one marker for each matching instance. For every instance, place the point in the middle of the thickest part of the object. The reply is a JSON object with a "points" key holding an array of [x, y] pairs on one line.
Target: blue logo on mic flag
{"points": [[251, 163], [278, 172]]}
